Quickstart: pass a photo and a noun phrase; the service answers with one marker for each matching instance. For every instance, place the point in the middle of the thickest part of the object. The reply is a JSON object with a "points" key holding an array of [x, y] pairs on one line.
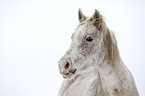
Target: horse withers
{"points": [[92, 65]]}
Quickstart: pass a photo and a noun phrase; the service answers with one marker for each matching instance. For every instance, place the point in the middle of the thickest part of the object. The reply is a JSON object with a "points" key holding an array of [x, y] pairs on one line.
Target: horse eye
{"points": [[89, 38]]}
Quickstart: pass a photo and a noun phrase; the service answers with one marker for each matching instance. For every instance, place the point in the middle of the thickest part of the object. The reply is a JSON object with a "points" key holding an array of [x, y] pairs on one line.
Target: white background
{"points": [[34, 34]]}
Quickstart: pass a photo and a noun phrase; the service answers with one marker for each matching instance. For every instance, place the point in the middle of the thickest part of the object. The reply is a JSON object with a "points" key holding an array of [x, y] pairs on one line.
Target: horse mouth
{"points": [[70, 74]]}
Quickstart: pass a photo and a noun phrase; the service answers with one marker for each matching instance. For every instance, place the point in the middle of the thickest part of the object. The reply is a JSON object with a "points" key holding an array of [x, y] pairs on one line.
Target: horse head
{"points": [[92, 43]]}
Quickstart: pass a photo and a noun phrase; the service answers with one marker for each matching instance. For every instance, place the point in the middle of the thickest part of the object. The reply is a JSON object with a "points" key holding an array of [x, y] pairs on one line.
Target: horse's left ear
{"points": [[96, 15], [97, 19]]}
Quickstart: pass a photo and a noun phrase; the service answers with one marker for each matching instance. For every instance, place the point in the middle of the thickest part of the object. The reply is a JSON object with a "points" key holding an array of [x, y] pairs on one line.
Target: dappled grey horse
{"points": [[92, 65]]}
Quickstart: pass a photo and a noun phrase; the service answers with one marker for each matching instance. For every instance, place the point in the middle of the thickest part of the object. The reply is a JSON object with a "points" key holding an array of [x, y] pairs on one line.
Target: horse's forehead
{"points": [[86, 28]]}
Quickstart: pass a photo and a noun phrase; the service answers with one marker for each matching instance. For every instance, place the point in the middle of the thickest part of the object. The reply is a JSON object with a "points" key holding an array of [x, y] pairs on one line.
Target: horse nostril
{"points": [[67, 65]]}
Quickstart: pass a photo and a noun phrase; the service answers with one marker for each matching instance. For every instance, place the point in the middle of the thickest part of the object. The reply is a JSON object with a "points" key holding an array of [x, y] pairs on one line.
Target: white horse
{"points": [[92, 65]]}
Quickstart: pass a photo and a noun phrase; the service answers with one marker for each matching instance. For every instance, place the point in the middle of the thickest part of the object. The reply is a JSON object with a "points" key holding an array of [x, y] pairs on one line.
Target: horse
{"points": [[92, 65]]}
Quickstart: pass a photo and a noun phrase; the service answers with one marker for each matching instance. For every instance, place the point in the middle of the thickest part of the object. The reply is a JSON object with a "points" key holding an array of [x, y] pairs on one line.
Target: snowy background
{"points": [[34, 35]]}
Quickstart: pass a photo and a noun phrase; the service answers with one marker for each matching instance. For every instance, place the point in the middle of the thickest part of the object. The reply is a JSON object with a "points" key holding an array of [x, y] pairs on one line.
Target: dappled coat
{"points": [[92, 65]]}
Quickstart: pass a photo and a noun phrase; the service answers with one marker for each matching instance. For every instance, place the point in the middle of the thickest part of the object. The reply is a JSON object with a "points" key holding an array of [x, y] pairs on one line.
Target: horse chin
{"points": [[70, 76]]}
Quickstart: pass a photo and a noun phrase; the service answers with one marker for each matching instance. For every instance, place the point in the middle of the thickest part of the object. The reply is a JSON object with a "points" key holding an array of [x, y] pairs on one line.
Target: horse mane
{"points": [[110, 43], [110, 46]]}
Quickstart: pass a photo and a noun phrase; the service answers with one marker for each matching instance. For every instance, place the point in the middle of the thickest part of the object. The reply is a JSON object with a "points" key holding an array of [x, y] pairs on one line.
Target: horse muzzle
{"points": [[66, 69]]}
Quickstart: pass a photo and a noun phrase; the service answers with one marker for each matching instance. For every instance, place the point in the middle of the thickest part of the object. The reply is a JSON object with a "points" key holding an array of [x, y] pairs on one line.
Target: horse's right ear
{"points": [[81, 16]]}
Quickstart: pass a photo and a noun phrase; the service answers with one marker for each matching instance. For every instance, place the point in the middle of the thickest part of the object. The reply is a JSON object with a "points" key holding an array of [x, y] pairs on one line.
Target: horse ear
{"points": [[96, 15], [81, 16], [97, 19]]}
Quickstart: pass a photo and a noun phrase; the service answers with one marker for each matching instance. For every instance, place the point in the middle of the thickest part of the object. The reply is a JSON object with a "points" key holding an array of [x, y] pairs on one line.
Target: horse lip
{"points": [[66, 74], [72, 71]]}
